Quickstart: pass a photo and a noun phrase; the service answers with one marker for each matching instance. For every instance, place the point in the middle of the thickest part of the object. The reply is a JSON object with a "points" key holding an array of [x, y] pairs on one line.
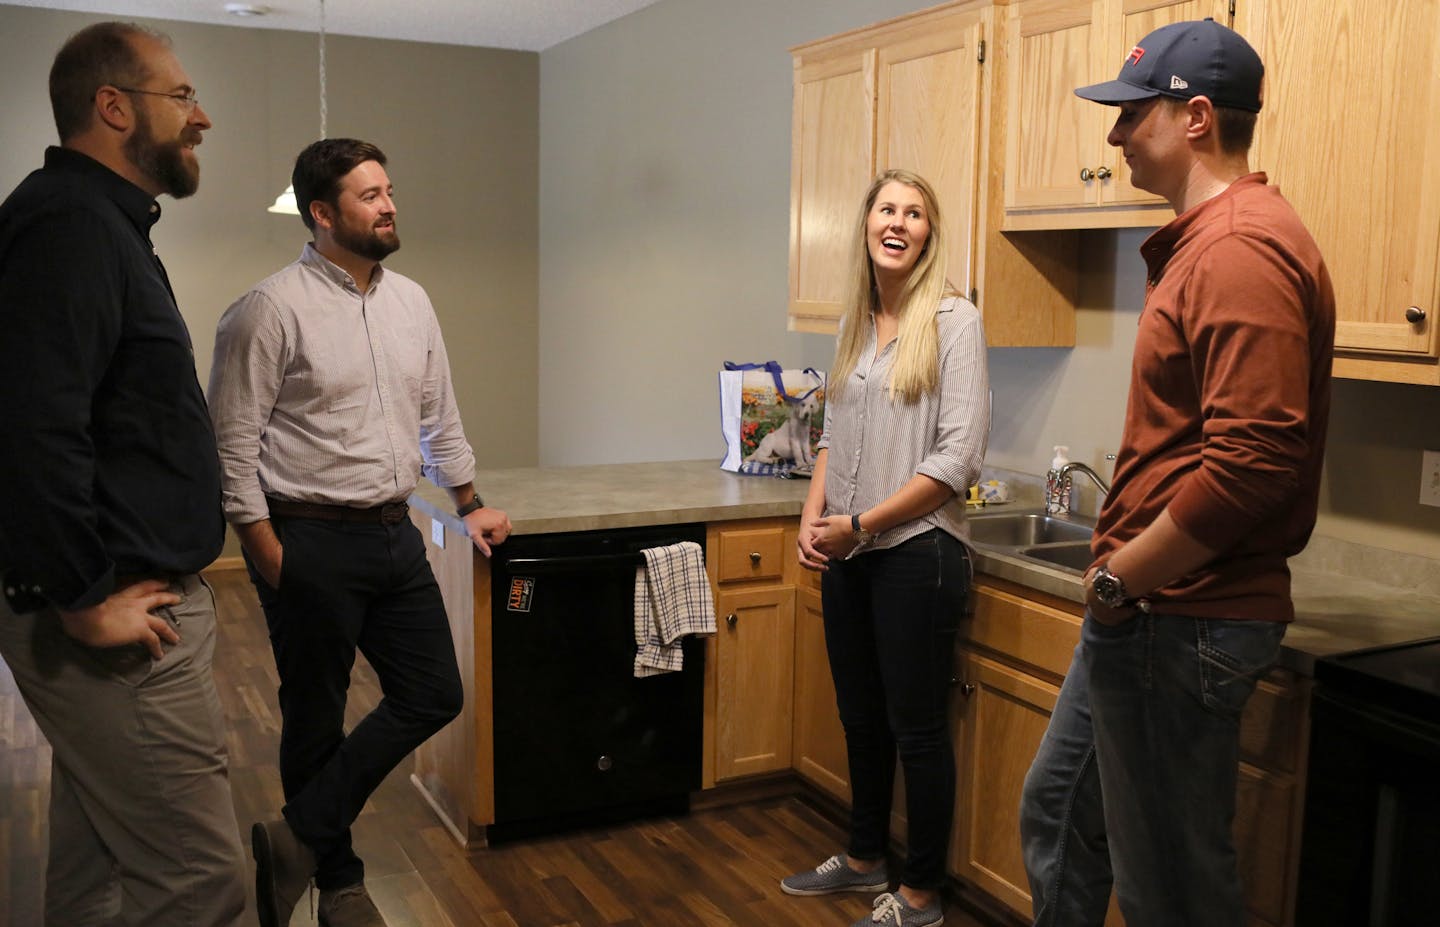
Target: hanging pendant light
{"points": [[285, 203]]}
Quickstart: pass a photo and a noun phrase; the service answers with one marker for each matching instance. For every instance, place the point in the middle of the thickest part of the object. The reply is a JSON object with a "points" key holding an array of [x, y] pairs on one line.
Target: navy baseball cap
{"points": [[1184, 60]]}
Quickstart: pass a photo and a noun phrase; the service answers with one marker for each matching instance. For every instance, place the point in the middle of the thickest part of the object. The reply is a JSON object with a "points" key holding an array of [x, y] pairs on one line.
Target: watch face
{"points": [[1108, 588]]}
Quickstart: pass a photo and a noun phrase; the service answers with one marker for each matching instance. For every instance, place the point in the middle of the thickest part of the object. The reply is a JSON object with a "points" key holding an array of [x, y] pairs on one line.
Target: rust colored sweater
{"points": [[1229, 399]]}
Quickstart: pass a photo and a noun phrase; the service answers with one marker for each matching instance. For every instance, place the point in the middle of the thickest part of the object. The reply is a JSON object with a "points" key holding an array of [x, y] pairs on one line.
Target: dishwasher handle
{"points": [[574, 564]]}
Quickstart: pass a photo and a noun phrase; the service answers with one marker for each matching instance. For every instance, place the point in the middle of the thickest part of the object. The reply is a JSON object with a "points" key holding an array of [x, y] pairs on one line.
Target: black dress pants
{"points": [[345, 586]]}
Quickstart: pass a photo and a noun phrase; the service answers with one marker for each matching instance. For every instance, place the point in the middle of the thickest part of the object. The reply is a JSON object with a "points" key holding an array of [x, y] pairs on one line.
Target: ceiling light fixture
{"points": [[285, 203], [246, 9]]}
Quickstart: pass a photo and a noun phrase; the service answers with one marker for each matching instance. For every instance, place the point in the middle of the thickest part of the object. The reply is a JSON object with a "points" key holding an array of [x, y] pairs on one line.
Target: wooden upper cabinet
{"points": [[919, 77], [916, 92], [832, 161], [1348, 135], [1060, 171]]}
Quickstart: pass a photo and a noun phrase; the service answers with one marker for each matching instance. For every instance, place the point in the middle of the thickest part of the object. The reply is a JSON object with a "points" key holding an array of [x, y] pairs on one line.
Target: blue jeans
{"points": [[890, 622], [1149, 716]]}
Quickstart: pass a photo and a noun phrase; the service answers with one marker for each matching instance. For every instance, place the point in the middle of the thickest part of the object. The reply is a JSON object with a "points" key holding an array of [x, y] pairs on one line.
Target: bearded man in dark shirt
{"points": [[110, 501]]}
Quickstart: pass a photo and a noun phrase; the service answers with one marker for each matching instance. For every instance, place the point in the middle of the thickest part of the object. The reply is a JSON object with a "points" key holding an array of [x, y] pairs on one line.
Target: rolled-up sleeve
{"points": [[964, 413]]}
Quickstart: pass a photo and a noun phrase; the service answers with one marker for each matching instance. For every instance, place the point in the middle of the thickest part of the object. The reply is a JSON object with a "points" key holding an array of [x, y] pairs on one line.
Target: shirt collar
{"points": [[138, 206], [311, 257], [1165, 241]]}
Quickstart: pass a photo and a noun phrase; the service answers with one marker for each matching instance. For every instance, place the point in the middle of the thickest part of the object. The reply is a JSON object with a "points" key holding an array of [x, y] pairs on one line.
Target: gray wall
{"points": [[664, 220], [459, 125]]}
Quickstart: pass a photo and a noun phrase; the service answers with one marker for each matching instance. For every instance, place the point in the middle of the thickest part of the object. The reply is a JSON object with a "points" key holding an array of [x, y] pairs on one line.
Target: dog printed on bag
{"points": [[789, 441]]}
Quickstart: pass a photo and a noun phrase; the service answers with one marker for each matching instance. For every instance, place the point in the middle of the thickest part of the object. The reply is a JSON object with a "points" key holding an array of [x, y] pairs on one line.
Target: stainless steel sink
{"points": [[1075, 557], [1025, 529]]}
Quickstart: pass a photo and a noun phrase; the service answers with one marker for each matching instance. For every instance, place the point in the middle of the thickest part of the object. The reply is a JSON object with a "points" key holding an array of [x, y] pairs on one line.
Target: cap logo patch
{"points": [[1136, 54], [1178, 83]]}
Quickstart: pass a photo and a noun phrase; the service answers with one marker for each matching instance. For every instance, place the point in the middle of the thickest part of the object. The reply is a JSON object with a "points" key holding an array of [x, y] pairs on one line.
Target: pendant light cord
{"points": [[322, 69]]}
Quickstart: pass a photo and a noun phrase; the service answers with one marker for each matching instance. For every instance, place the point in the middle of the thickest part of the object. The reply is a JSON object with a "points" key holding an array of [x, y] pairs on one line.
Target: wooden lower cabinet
{"points": [[1012, 665], [755, 656], [820, 756]]}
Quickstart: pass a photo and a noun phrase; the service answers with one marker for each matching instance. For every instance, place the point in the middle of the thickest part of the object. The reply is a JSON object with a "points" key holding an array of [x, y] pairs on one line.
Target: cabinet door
{"points": [[1053, 47], [1356, 162], [820, 756], [928, 121], [1133, 20], [1002, 715], [755, 653], [832, 162]]}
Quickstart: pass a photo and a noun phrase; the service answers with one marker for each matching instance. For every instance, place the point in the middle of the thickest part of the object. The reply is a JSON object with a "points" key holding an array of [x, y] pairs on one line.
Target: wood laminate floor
{"points": [[713, 867]]}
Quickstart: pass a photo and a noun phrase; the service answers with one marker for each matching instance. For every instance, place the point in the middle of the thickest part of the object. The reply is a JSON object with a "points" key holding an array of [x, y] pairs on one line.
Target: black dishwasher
{"points": [[579, 740]]}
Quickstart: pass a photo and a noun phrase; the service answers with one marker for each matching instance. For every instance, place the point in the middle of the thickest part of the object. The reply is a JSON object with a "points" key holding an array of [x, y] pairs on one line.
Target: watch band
{"points": [[474, 505]]}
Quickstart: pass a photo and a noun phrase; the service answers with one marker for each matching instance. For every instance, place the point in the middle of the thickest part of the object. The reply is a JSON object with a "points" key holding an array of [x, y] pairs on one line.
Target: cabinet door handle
{"points": [[1086, 175], [1414, 315], [754, 556], [731, 618], [967, 689], [1103, 173]]}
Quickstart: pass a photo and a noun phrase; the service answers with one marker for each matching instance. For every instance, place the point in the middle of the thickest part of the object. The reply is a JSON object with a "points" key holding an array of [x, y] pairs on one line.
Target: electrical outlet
{"points": [[1430, 478]]}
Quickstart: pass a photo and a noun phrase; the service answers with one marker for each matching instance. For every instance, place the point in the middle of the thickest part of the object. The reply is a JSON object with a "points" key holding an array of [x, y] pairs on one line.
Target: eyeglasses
{"points": [[187, 100]]}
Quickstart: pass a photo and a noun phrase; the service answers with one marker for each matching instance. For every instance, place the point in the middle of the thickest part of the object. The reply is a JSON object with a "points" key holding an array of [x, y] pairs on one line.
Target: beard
{"points": [[162, 162], [368, 243]]}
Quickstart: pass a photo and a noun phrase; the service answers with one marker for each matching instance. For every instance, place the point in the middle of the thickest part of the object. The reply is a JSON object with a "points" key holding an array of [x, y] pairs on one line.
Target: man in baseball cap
{"points": [[1216, 483]]}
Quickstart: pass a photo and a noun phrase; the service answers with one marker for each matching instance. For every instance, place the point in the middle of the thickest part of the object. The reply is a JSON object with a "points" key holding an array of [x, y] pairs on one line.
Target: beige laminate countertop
{"points": [[1335, 613]]}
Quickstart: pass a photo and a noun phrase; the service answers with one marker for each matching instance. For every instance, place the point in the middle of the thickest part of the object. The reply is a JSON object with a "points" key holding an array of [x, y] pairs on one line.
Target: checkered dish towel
{"points": [[672, 599]]}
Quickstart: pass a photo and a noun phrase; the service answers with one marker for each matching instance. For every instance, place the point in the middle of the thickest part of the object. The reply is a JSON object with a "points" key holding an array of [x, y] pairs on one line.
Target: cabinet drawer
{"points": [[751, 553], [1273, 727], [1032, 632]]}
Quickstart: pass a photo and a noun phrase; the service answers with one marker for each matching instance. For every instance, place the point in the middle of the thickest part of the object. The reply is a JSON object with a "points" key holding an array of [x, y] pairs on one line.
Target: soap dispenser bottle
{"points": [[1057, 487]]}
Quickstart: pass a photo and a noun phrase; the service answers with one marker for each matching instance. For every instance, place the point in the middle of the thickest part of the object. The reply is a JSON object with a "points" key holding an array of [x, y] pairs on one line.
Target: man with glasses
{"points": [[110, 501]]}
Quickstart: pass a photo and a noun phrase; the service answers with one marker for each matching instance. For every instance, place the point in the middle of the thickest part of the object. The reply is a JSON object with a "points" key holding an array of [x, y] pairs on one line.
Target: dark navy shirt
{"points": [[107, 457]]}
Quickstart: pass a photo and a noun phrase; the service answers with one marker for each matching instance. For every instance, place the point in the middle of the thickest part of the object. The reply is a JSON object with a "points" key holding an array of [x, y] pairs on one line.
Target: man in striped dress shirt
{"points": [[331, 395]]}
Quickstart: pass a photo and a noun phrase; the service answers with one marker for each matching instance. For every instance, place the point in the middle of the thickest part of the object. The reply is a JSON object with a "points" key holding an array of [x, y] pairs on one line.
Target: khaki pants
{"points": [[142, 829]]}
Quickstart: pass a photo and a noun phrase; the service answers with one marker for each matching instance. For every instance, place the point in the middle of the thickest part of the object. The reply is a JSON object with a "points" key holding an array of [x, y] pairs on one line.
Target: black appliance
{"points": [[579, 740], [1370, 854]]}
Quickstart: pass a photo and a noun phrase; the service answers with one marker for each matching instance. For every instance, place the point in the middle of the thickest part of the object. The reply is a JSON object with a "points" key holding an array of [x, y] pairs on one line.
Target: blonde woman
{"points": [[906, 420]]}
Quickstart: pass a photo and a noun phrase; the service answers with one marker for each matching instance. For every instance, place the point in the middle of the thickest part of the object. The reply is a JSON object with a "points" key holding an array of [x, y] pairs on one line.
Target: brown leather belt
{"points": [[391, 513]]}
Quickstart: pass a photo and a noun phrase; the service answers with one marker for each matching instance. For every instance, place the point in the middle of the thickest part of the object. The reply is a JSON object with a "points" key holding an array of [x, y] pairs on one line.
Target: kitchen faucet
{"points": [[1073, 465]]}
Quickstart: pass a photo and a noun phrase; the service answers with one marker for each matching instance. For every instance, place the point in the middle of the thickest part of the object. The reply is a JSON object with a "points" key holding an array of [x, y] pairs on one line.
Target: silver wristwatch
{"points": [[1109, 588]]}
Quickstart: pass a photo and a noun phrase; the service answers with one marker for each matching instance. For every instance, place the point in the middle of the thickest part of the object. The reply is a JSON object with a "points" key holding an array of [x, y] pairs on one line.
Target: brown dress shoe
{"points": [[348, 907], [283, 867]]}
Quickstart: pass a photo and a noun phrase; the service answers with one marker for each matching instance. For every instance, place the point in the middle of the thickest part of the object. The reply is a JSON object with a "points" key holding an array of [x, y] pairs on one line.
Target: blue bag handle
{"points": [[774, 369]]}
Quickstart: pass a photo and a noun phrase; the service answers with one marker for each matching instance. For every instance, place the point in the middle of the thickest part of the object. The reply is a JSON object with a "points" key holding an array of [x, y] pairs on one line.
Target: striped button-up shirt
{"points": [[321, 393], [877, 444]]}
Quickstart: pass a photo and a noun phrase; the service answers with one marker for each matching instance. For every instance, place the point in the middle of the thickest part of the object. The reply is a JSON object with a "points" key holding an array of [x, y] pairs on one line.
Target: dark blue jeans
{"points": [[345, 587], [1149, 717], [890, 622]]}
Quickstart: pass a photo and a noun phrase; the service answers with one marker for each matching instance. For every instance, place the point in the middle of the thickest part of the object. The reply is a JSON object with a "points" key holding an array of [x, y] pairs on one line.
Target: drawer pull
{"points": [[1414, 315], [754, 556], [604, 763]]}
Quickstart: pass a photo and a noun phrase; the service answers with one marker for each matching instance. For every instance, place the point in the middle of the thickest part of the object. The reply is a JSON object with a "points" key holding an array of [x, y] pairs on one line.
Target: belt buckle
{"points": [[392, 513]]}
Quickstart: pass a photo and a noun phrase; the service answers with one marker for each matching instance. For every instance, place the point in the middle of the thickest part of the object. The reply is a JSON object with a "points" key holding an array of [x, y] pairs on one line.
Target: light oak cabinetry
{"points": [[1345, 133], [819, 748], [916, 93], [1060, 172], [1019, 646], [753, 656]]}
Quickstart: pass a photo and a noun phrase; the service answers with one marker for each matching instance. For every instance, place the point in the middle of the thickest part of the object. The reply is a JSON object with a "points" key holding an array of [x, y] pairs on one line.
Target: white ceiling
{"points": [[525, 25]]}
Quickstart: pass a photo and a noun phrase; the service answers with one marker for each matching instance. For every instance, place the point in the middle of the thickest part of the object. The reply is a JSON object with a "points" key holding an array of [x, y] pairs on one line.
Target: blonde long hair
{"points": [[916, 370]]}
